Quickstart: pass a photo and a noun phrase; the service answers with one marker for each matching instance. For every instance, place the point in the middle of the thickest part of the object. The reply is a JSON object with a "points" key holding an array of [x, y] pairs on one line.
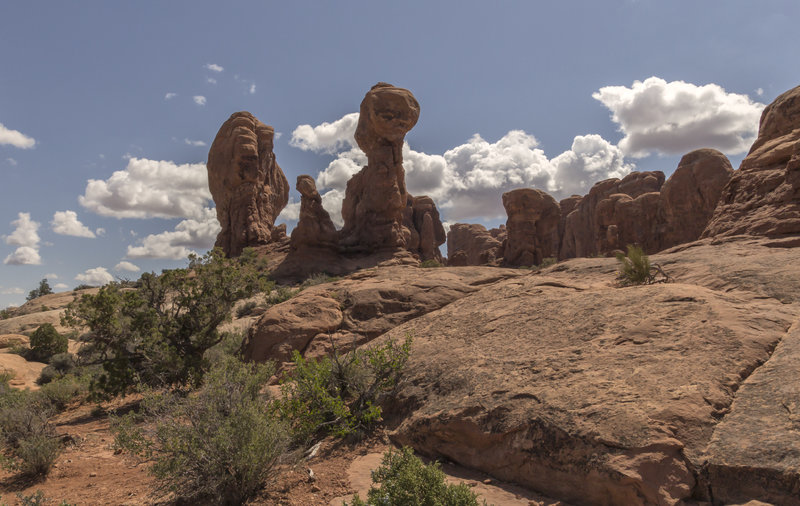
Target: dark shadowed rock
{"points": [[314, 229], [426, 232], [247, 184], [763, 195], [532, 227]]}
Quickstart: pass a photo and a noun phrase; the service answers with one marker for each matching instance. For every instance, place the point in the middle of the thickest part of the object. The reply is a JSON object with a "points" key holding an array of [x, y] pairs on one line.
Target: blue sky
{"points": [[560, 94]]}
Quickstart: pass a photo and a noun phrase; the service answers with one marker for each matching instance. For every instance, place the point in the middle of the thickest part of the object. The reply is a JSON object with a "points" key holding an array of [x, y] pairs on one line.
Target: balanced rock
{"points": [[472, 244], [247, 184], [425, 230], [315, 229], [533, 218], [763, 196], [376, 196]]}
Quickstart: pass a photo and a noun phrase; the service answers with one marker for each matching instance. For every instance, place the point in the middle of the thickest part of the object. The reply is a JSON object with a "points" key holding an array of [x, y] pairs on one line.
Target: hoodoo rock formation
{"points": [[315, 229], [763, 196], [246, 183], [533, 218], [426, 232], [376, 196], [472, 244]]}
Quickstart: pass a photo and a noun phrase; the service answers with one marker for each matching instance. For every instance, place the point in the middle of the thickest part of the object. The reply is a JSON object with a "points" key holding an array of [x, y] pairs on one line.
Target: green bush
{"points": [[43, 289], [30, 441], [46, 342], [281, 294], [157, 335], [635, 268], [340, 394], [430, 263], [318, 279], [61, 391], [218, 446], [246, 309], [404, 479]]}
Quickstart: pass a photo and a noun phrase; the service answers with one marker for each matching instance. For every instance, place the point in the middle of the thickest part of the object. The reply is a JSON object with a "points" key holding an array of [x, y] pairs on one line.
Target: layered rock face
{"points": [[763, 196], [247, 184], [532, 227], [472, 244], [315, 229], [425, 230], [376, 196]]}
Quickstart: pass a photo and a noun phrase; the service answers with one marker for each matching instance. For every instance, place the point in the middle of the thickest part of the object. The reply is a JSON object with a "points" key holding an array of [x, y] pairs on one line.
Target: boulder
{"points": [[472, 244], [375, 197], [247, 184], [763, 195], [314, 229], [532, 227]]}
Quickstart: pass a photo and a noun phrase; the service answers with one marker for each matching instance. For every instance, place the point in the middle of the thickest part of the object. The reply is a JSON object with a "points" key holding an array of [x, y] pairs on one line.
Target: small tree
{"points": [[46, 342], [44, 289], [156, 335]]}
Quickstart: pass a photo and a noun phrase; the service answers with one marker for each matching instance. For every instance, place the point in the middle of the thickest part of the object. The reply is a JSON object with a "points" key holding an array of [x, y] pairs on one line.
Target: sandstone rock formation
{"points": [[314, 229], [375, 197], [533, 218], [426, 232], [763, 196], [248, 186], [472, 244]]}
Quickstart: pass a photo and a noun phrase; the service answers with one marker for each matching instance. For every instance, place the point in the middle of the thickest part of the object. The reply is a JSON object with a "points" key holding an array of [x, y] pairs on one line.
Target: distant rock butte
{"points": [[247, 184], [763, 196], [472, 244], [376, 196]]}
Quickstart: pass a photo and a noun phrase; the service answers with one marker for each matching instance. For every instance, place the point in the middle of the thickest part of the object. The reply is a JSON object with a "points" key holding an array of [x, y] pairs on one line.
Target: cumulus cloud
{"points": [[213, 67], [11, 161], [12, 291], [95, 277], [148, 189], [197, 233], [199, 99], [190, 142], [51, 275], [126, 266], [675, 117], [66, 223], [60, 286], [100, 231], [26, 237], [15, 138], [467, 181], [170, 96]]}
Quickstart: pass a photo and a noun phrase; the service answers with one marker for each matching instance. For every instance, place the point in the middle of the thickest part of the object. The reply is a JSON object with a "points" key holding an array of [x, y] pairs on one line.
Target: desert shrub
{"points": [[340, 394], [246, 309], [157, 335], [37, 499], [430, 263], [46, 342], [281, 294], [29, 439], [62, 390], [547, 262], [318, 279], [43, 289], [403, 478], [229, 346], [6, 314], [218, 446], [635, 268], [83, 286]]}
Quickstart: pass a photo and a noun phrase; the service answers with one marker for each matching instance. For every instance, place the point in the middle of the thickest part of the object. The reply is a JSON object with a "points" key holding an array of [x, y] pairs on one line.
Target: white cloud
{"points": [[214, 67], [150, 188], [15, 138], [95, 277], [467, 182], [13, 291], [191, 233], [11, 161], [24, 255], [676, 117], [51, 275], [327, 137], [211, 80], [126, 266], [759, 91], [190, 142], [100, 231], [26, 237], [60, 286], [66, 223], [199, 99], [252, 89], [170, 96]]}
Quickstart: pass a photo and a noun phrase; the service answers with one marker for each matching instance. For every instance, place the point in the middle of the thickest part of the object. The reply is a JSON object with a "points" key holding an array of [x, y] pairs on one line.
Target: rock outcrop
{"points": [[472, 244], [532, 227], [314, 229], [247, 184], [375, 197], [426, 232], [763, 196]]}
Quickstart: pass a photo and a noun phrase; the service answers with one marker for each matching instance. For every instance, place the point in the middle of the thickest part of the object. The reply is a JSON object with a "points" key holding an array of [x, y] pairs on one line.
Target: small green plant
{"points": [[635, 268], [216, 447], [340, 394], [427, 264], [46, 342], [43, 289], [403, 478]]}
